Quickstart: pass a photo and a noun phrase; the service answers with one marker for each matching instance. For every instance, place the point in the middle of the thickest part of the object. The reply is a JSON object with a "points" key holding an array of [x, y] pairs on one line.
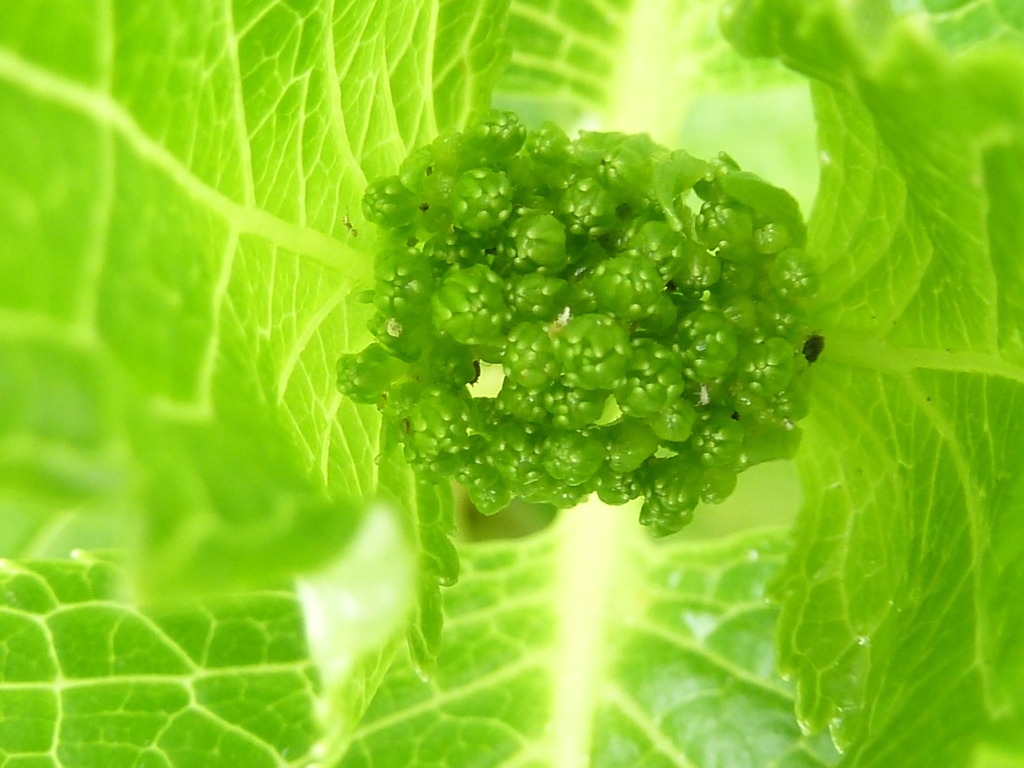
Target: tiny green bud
{"points": [[470, 305], [674, 424], [482, 200], [541, 239], [387, 203], [530, 355], [594, 352], [572, 457]]}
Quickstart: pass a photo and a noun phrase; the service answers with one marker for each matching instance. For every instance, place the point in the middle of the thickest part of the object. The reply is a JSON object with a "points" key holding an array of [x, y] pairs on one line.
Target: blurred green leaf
{"points": [[897, 623], [663, 69], [590, 643]]}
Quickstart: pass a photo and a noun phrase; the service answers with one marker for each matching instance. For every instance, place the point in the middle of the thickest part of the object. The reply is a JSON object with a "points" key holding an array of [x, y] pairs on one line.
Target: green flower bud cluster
{"points": [[645, 308]]}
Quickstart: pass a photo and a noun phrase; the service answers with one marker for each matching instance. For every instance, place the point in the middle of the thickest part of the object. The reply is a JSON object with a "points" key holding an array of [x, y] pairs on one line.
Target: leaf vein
{"points": [[318, 246]]}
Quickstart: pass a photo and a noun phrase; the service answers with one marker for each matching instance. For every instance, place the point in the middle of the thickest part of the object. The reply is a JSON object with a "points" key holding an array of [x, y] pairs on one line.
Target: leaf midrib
{"points": [[591, 550], [860, 351]]}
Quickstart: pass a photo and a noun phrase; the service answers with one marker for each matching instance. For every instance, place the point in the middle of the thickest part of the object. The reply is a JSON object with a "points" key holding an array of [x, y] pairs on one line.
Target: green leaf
{"points": [[182, 245], [181, 240], [663, 69], [898, 620], [959, 24], [582, 53], [592, 644], [86, 680]]}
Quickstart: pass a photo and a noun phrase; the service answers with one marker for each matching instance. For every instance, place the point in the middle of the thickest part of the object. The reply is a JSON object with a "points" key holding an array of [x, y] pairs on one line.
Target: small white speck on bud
{"points": [[705, 396], [393, 327], [788, 424], [560, 322]]}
